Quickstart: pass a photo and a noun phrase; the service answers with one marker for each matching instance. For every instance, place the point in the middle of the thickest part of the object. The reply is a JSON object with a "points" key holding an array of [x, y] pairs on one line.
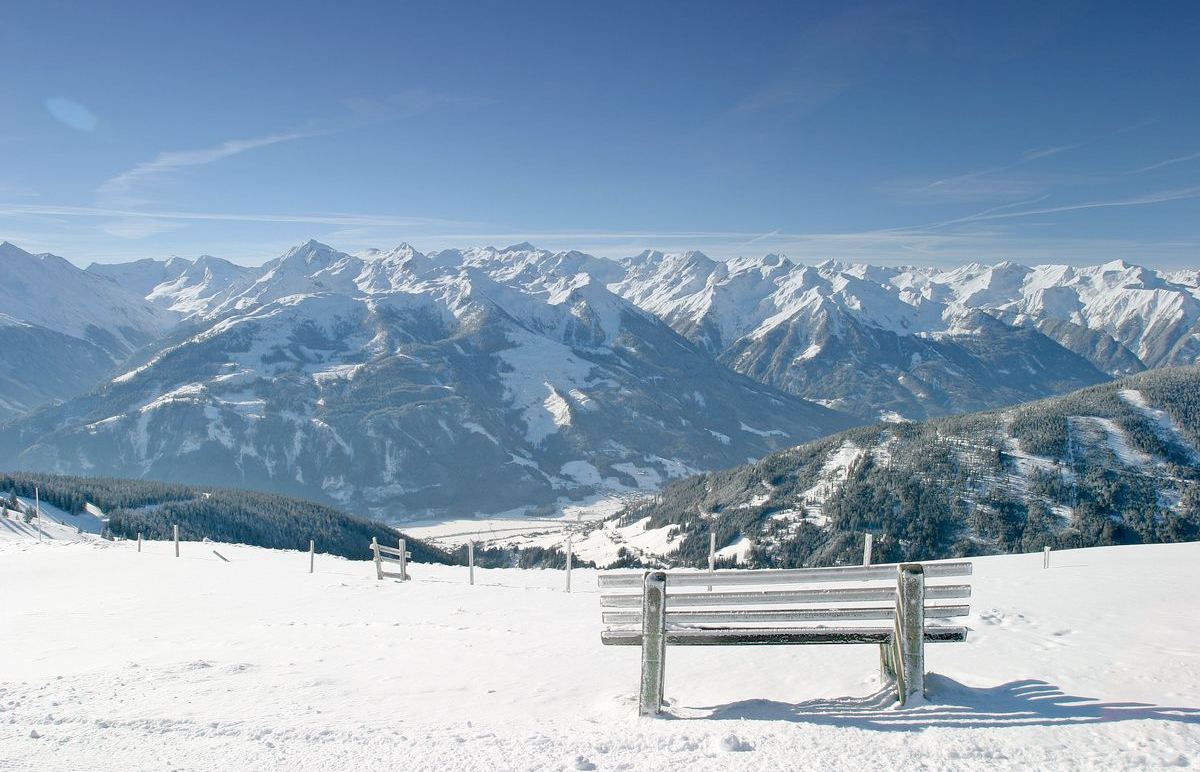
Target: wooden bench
{"points": [[889, 605], [398, 555]]}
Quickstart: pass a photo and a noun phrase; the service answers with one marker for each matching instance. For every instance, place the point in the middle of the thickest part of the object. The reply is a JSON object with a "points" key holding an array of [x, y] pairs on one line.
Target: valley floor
{"points": [[115, 660]]}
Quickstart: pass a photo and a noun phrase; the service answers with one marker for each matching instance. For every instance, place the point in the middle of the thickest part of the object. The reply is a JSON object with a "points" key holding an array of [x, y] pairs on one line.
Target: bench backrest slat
{"points": [[740, 577], [775, 616], [785, 597]]}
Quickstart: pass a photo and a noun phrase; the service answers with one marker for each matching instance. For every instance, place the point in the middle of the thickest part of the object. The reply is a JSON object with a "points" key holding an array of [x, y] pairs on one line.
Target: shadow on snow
{"points": [[952, 704]]}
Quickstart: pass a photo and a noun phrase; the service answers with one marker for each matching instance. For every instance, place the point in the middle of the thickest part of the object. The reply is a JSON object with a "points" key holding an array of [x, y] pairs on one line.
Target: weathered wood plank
{"points": [[768, 637], [763, 598], [738, 616], [730, 577], [785, 597]]}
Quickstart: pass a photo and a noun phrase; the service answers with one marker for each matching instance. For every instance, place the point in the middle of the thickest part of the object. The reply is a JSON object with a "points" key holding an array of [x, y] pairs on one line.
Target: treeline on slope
{"points": [[513, 556], [952, 487], [220, 514]]}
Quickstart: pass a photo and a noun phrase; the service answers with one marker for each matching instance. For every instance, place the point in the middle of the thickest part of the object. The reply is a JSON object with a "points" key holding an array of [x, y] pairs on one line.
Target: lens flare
{"points": [[71, 113]]}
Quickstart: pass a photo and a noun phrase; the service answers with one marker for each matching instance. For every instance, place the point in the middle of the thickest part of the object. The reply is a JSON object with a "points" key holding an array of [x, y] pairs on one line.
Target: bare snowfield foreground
{"points": [[115, 660]]}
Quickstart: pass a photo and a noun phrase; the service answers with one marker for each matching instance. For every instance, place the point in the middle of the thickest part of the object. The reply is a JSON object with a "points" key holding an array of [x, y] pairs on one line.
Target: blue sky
{"points": [[888, 132]]}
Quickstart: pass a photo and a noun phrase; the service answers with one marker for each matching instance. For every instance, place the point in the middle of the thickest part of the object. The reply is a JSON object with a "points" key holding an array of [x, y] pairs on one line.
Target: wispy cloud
{"points": [[330, 218], [18, 191], [1151, 198], [1046, 152], [1168, 162], [139, 227], [122, 189], [757, 239], [995, 182], [984, 237], [949, 182], [128, 189], [794, 97]]}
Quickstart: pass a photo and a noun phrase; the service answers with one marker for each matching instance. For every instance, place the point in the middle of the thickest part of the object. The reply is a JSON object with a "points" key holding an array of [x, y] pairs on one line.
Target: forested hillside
{"points": [[1110, 464], [220, 514]]}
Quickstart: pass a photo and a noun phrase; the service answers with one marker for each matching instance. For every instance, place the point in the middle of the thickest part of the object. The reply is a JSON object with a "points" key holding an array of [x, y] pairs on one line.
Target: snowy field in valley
{"points": [[115, 660]]}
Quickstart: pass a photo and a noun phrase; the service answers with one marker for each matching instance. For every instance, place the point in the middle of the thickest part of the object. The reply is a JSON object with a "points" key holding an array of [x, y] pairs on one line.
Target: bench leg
{"points": [[910, 616], [654, 643]]}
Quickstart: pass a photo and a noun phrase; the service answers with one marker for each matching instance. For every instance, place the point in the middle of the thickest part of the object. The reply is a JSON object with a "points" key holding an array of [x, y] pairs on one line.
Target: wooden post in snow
{"points": [[910, 615], [1046, 557], [139, 541], [403, 561], [37, 507], [712, 555], [175, 530], [312, 554], [222, 557], [471, 562], [654, 643], [568, 562], [378, 562], [867, 549]]}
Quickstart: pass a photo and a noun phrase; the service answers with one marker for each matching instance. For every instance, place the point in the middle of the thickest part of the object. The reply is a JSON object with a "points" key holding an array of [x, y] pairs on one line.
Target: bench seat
{"points": [[787, 636]]}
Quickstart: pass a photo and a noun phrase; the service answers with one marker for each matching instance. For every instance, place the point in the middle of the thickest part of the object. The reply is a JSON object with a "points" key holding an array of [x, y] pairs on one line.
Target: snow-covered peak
{"points": [[309, 268], [140, 276], [659, 282], [767, 266], [595, 312], [311, 253], [201, 285], [992, 286], [48, 291]]}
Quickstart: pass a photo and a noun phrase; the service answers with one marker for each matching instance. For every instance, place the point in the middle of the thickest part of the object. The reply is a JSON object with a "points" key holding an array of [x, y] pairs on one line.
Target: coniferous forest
{"points": [[220, 514]]}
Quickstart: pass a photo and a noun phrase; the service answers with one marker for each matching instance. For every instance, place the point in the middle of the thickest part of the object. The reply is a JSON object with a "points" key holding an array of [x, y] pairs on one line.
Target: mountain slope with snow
{"points": [[117, 660], [186, 287], [63, 329], [1115, 463]]}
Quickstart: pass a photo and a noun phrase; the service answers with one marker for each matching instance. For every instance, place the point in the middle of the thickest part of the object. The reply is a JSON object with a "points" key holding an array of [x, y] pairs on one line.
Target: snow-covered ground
{"points": [[115, 660], [54, 523]]}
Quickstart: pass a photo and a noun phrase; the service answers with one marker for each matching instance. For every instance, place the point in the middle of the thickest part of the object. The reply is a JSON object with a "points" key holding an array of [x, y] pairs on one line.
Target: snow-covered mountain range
{"points": [[877, 342], [404, 385], [384, 381], [918, 342]]}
